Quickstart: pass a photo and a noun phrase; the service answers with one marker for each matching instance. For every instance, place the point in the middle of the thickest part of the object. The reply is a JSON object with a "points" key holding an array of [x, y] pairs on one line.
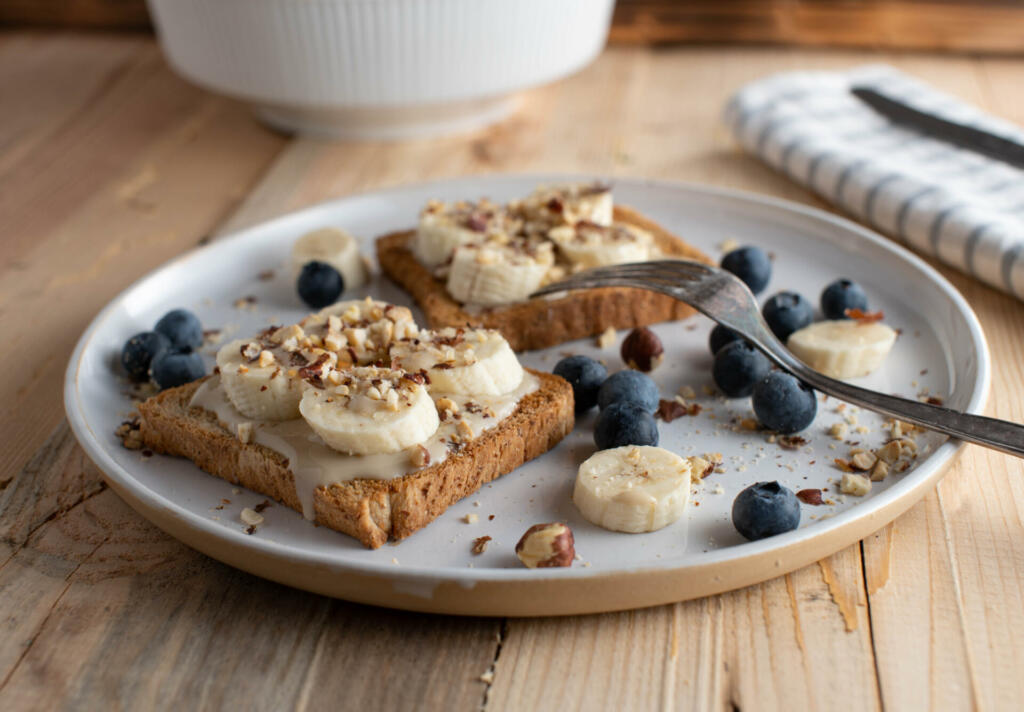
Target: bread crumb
{"points": [[729, 244], [487, 677], [471, 518], [251, 517], [687, 392], [607, 338]]}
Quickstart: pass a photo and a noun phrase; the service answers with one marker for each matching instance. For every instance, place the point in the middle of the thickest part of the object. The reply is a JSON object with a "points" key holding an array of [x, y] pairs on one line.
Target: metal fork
{"points": [[727, 300]]}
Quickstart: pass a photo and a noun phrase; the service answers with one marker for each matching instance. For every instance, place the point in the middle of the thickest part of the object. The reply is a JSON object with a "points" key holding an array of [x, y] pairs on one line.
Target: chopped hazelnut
{"points": [[244, 433], [607, 338], [880, 471], [642, 350], [546, 545], [419, 456], [857, 485], [251, 517], [863, 460]]}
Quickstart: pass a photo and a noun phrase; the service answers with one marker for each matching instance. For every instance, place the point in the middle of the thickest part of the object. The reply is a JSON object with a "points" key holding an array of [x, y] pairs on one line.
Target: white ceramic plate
{"points": [[941, 349]]}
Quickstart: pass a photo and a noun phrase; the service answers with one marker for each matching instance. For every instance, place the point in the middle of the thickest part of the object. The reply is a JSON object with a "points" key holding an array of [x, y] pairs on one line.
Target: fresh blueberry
{"points": [[751, 264], [841, 295], [182, 327], [625, 424], [764, 510], [787, 312], [320, 284], [629, 386], [140, 350], [722, 336], [585, 375], [174, 368], [738, 367], [784, 404]]}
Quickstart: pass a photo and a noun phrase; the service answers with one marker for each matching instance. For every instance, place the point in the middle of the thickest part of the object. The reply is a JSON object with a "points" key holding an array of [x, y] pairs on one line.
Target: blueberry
{"points": [[319, 284], [751, 264], [784, 404], [787, 312], [585, 375], [841, 295], [722, 336], [182, 327], [764, 510], [140, 350], [629, 386], [738, 367], [625, 424], [173, 368]]}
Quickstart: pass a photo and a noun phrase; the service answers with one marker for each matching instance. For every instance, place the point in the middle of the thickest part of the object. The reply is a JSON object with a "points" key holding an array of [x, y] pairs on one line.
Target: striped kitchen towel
{"points": [[961, 207]]}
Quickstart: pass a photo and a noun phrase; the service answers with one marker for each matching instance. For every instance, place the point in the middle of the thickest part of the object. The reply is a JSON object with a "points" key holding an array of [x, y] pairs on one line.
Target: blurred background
{"points": [[995, 26]]}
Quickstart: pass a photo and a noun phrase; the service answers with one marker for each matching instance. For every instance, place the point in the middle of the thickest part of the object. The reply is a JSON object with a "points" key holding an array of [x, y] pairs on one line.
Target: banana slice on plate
{"points": [[476, 362], [335, 247], [443, 227], [589, 245], [257, 382], [633, 488], [370, 411], [566, 205], [844, 348], [500, 270]]}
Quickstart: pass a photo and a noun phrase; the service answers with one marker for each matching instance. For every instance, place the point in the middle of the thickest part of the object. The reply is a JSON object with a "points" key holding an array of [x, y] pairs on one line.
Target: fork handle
{"points": [[997, 434]]}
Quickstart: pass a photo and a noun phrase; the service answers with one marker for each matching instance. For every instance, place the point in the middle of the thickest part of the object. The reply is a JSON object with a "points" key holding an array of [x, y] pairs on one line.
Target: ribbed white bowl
{"points": [[379, 68]]}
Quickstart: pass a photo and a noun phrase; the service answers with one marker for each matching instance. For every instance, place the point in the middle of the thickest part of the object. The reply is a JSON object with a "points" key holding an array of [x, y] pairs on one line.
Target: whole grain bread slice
{"points": [[539, 323], [370, 510]]}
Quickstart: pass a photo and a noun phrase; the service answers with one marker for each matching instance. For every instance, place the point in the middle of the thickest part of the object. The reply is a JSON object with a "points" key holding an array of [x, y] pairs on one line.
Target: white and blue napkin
{"points": [[956, 205]]}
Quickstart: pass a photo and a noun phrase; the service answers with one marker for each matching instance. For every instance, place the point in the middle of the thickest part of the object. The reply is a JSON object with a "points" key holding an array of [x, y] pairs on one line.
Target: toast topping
{"points": [[428, 394], [491, 255]]}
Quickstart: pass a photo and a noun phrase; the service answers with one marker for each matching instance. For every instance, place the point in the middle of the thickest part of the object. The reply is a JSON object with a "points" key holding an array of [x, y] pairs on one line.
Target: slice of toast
{"points": [[372, 511], [539, 323]]}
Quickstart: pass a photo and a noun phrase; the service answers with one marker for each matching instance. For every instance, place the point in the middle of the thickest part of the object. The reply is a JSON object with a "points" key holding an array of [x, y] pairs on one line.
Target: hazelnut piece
{"points": [[642, 350], [546, 545]]}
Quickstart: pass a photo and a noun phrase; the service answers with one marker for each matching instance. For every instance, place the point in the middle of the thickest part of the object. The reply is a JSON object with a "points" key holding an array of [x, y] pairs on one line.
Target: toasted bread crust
{"points": [[372, 511], [539, 323]]}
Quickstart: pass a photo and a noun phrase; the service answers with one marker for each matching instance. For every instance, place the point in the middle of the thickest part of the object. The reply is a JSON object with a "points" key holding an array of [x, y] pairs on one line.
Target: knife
{"points": [[987, 144]]}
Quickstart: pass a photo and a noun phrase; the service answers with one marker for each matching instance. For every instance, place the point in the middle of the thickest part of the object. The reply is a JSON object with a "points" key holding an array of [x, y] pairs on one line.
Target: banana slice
{"points": [[500, 270], [633, 488], [335, 247], [844, 348], [443, 227], [370, 411], [476, 362], [589, 245], [569, 204], [256, 381]]}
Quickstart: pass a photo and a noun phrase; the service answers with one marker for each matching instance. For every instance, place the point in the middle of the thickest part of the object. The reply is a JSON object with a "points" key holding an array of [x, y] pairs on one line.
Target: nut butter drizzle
{"points": [[315, 465]]}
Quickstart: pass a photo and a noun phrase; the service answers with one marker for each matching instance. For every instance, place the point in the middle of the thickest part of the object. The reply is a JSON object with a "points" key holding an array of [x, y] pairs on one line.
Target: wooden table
{"points": [[110, 165]]}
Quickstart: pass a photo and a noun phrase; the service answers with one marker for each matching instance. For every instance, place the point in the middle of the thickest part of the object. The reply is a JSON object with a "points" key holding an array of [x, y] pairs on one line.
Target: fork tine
{"points": [[641, 275]]}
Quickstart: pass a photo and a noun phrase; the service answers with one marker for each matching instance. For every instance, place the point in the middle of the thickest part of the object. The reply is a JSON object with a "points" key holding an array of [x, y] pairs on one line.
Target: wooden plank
{"points": [[130, 172], [102, 608], [766, 647], [986, 26]]}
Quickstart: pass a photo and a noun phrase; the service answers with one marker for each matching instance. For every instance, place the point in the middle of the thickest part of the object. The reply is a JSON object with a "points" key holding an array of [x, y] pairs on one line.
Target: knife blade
{"points": [[968, 137]]}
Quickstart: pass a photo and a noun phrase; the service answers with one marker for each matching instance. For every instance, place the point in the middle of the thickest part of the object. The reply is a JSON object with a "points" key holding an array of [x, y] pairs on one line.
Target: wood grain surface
{"points": [[110, 165]]}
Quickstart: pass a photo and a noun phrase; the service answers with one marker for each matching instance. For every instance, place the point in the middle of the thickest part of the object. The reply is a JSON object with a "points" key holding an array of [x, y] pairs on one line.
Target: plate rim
{"points": [[908, 490]]}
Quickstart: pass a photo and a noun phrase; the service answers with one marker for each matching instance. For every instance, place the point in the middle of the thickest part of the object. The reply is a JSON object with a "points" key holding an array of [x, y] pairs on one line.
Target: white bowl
{"points": [[379, 68]]}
